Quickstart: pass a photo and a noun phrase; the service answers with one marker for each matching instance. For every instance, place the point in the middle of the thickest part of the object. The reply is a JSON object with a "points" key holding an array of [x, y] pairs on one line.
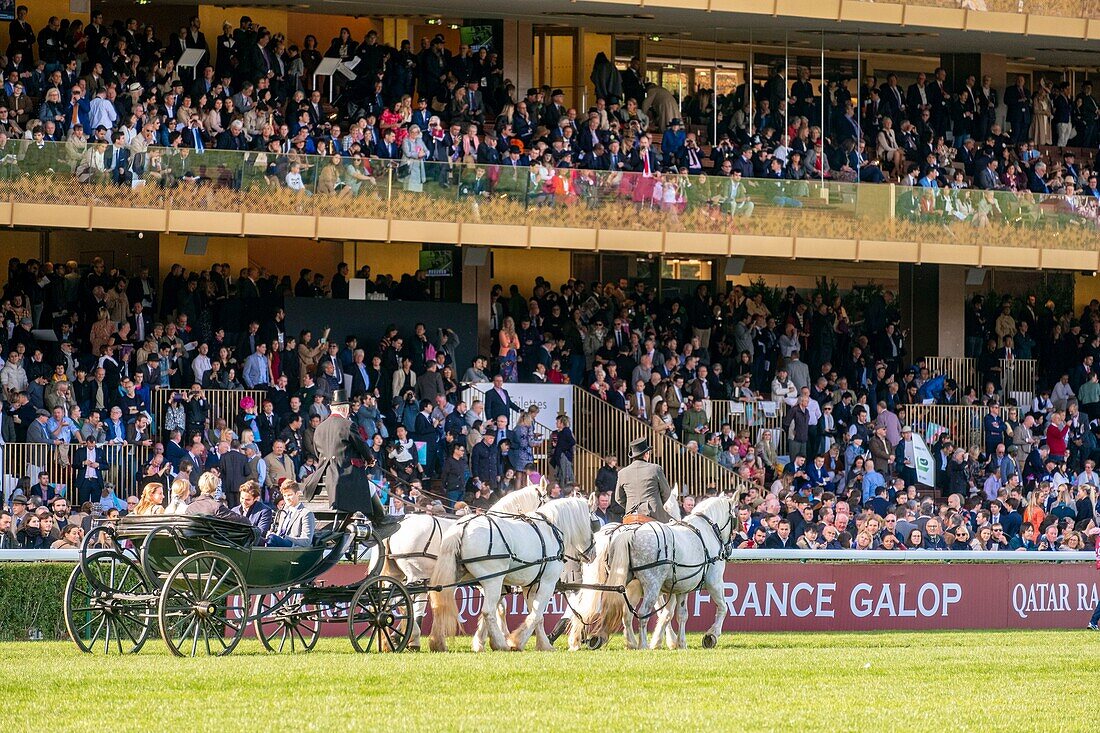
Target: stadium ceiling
{"points": [[729, 27]]}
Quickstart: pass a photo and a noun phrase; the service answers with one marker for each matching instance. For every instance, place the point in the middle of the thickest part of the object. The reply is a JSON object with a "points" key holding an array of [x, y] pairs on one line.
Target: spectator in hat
{"points": [[37, 431], [672, 142]]}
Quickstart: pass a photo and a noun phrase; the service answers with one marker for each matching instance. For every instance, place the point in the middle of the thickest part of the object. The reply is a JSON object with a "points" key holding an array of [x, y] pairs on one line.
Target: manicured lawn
{"points": [[956, 681]]}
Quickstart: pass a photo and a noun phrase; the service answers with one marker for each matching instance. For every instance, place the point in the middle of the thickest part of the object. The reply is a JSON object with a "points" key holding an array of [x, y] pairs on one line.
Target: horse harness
{"points": [[437, 529], [666, 554], [518, 563]]}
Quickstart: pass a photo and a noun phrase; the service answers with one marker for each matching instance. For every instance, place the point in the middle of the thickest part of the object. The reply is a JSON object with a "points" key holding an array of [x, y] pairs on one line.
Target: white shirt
{"points": [[89, 471]]}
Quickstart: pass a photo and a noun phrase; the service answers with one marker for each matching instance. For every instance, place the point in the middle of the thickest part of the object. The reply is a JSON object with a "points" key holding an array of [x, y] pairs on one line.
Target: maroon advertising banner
{"points": [[819, 596]]}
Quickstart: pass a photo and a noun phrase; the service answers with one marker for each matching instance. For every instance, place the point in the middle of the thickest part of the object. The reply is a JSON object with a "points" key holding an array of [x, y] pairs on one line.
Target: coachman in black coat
{"points": [[339, 446]]}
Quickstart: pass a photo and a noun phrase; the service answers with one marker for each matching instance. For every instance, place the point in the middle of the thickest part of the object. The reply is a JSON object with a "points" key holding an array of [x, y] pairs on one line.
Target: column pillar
{"points": [[951, 319], [476, 284], [396, 30], [518, 55], [932, 300]]}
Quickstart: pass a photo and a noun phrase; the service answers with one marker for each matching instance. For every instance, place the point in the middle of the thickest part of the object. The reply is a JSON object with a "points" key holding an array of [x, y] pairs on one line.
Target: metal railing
{"points": [[963, 421], [220, 188], [1017, 375], [753, 417], [602, 430], [606, 430], [223, 403], [26, 460]]}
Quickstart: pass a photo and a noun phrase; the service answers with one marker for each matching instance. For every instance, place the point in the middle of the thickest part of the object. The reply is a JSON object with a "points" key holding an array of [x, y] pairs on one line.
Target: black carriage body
{"points": [[166, 540]]}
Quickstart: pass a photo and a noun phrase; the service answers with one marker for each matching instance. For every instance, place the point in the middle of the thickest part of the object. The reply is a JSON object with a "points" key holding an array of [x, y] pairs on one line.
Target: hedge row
{"points": [[31, 596]]}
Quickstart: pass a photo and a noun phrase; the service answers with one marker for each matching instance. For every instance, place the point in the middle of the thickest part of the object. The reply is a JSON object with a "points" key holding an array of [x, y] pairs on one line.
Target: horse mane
{"points": [[716, 508], [572, 516], [520, 501]]}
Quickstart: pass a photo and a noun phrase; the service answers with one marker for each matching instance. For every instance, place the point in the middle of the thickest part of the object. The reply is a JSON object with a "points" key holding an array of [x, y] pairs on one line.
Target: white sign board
{"points": [[926, 467], [190, 58], [552, 399]]}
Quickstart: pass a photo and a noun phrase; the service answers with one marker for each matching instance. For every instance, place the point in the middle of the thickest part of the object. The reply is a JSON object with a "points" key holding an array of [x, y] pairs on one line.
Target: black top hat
{"points": [[639, 448], [339, 397]]}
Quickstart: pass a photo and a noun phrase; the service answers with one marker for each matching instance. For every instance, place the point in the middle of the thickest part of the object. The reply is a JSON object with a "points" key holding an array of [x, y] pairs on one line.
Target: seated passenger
{"points": [[252, 509], [294, 525], [206, 503], [181, 497]]}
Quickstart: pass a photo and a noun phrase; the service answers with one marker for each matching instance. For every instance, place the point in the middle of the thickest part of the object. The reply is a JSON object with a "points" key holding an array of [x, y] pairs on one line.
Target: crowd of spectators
{"points": [[85, 346], [112, 97]]}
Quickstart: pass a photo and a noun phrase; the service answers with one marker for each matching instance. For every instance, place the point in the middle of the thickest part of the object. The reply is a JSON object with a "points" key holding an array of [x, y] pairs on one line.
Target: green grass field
{"points": [[982, 681]]}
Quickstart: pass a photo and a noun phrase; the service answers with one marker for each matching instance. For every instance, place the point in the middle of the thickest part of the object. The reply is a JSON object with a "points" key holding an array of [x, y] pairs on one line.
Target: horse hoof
{"points": [[594, 642], [413, 648], [710, 641]]}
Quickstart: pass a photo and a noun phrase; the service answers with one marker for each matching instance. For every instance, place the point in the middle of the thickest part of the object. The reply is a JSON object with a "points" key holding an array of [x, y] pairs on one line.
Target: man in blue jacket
{"points": [[251, 508]]}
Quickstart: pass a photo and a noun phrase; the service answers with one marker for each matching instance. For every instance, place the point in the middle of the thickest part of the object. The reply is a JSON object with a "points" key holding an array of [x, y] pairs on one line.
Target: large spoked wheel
{"points": [[203, 606], [381, 616], [107, 605], [285, 624]]}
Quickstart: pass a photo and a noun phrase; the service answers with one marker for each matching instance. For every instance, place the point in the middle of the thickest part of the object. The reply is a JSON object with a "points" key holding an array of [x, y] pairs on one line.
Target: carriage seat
{"points": [[192, 526]]}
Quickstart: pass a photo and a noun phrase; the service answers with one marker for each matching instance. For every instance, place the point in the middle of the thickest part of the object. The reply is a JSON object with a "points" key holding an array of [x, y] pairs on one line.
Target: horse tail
{"points": [[618, 570], [589, 601], [444, 607], [618, 558]]}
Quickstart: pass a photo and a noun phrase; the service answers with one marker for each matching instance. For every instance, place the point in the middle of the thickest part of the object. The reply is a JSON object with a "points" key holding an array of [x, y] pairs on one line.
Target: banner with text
{"points": [[787, 596], [552, 399]]}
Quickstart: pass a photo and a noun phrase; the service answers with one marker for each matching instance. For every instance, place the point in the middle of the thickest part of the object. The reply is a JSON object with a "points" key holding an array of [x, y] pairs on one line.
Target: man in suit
{"points": [[1018, 101], [642, 487], [485, 463], [89, 465], [387, 148], [987, 179], [1036, 178], [173, 449], [348, 486], [280, 466], [253, 510], [234, 472], [986, 97], [918, 98], [475, 101], [295, 525], [141, 324], [880, 451], [782, 538], [116, 160], [735, 200], [497, 401], [617, 396], [36, 431]]}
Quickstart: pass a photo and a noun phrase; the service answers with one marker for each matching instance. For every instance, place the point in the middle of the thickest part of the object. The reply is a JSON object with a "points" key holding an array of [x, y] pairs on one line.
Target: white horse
{"points": [[591, 625], [675, 559], [491, 551], [412, 550]]}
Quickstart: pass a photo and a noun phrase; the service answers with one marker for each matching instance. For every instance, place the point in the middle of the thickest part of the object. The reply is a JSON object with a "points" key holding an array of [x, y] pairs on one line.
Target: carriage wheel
{"points": [[96, 617], [203, 606], [381, 616], [285, 624]]}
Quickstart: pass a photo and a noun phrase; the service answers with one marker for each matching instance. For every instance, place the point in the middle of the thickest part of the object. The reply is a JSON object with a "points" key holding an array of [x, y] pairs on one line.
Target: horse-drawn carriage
{"points": [[200, 581]]}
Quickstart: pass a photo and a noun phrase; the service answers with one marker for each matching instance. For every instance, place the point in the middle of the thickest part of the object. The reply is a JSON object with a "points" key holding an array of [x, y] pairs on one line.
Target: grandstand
{"points": [[840, 257]]}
